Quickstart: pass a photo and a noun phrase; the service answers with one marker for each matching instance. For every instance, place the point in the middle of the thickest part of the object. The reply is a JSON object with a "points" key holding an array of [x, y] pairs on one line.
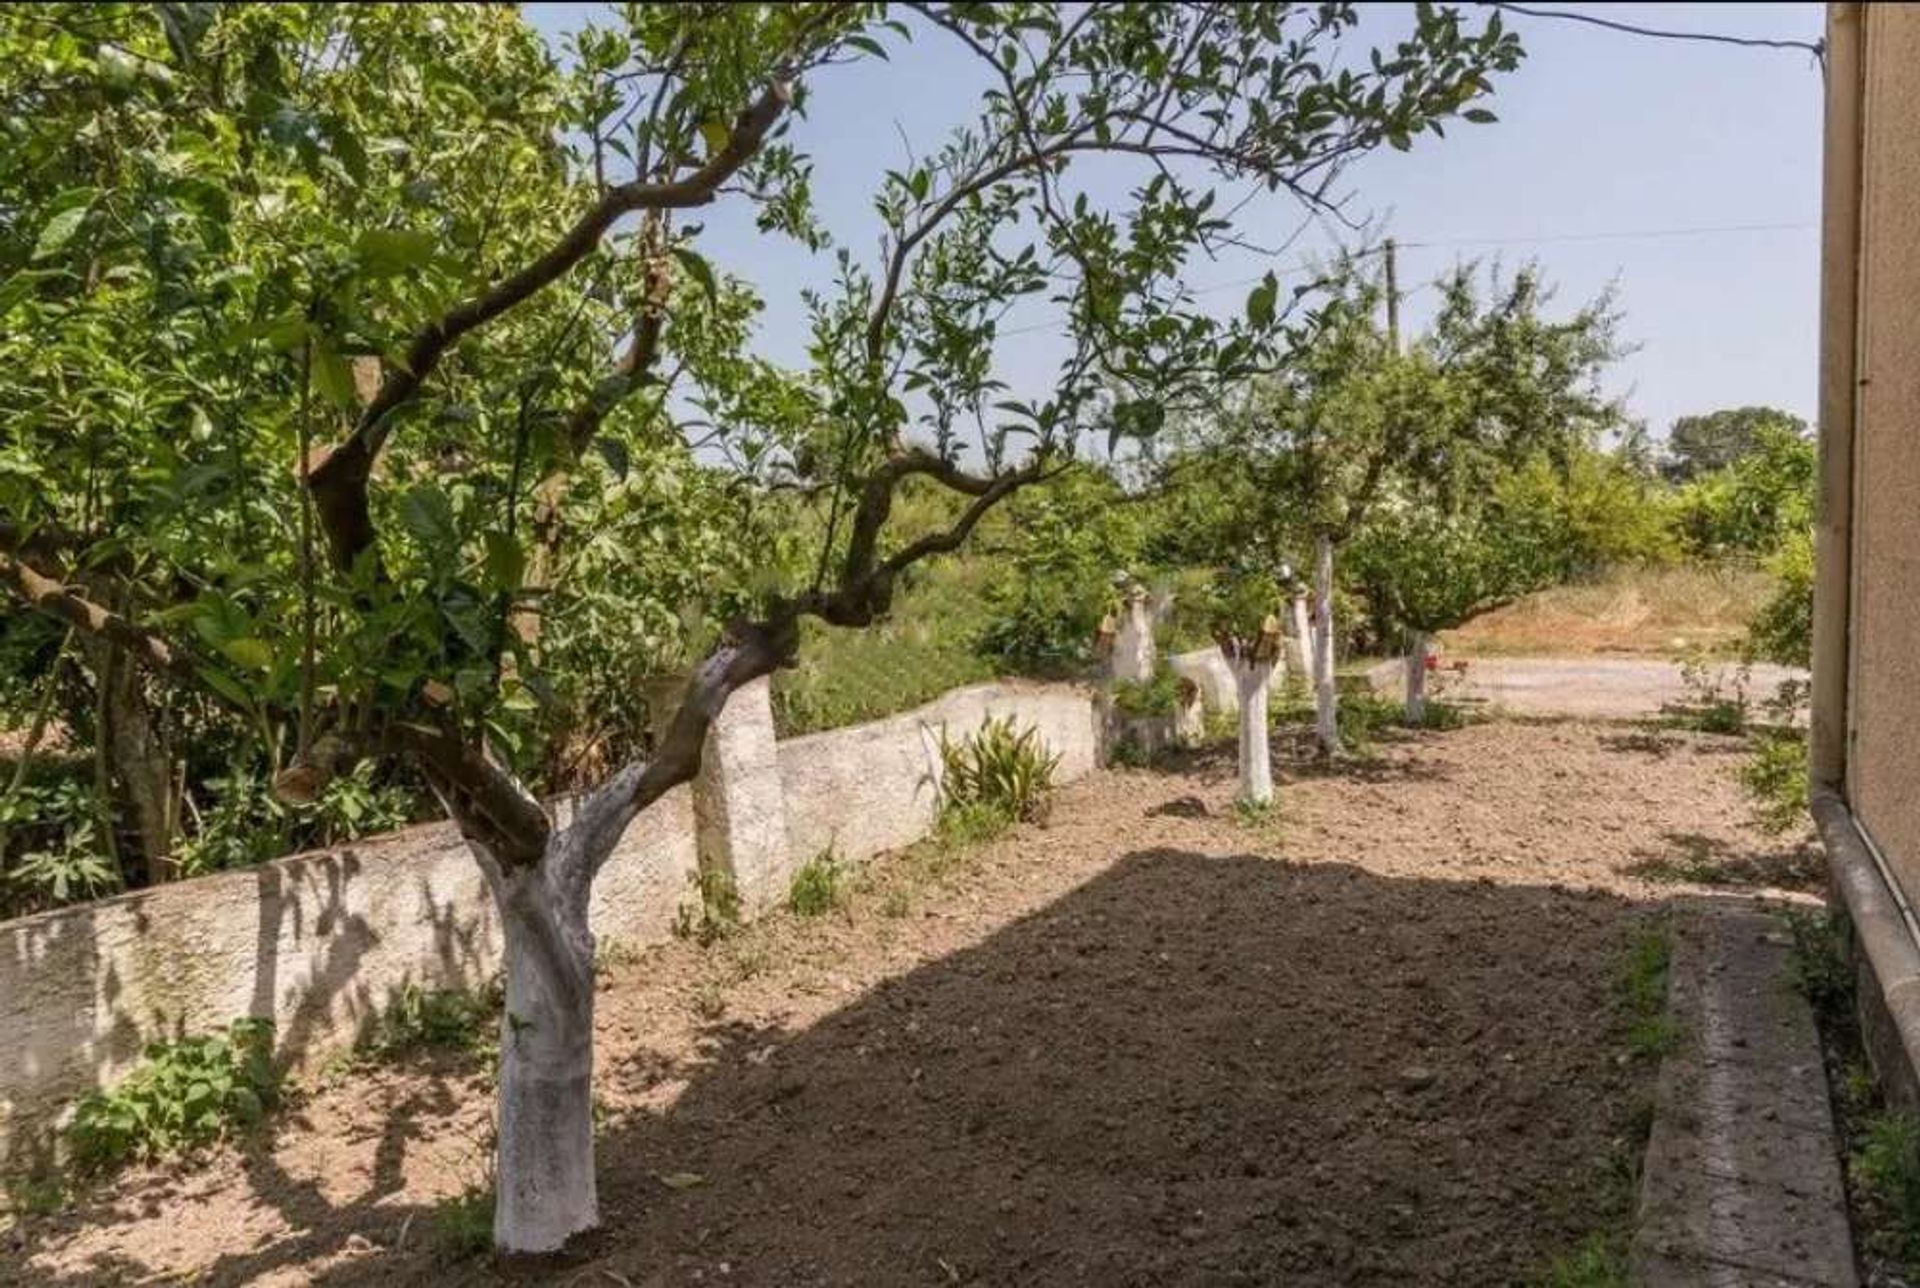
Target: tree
{"points": [[1761, 500], [1702, 444], [1246, 626], [1426, 570], [1355, 418], [329, 265]]}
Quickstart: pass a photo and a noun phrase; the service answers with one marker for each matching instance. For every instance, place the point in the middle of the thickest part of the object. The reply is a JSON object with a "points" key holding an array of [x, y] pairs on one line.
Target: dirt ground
{"points": [[1370, 1041]]}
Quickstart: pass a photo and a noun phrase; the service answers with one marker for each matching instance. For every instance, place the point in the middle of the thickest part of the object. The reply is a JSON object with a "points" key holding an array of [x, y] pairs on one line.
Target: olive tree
{"points": [[426, 396]]}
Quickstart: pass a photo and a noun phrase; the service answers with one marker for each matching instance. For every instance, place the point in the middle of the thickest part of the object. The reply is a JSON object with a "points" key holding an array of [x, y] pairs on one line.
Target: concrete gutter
{"points": [[1886, 933]]}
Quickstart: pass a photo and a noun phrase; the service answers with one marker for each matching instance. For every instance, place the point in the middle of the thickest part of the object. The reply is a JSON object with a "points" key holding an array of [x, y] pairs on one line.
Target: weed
{"points": [[709, 999], [1885, 1166], [610, 952], [898, 903], [970, 823], [1641, 989], [1599, 1261], [463, 1225], [749, 961], [1711, 704], [1820, 968], [446, 1019], [1259, 815], [1775, 778], [182, 1095], [35, 1195], [1129, 753], [816, 887], [717, 913]]}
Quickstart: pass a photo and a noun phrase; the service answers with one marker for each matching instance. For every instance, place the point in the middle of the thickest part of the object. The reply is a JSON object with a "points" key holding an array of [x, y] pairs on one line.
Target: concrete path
{"points": [[1742, 1186], [1607, 688]]}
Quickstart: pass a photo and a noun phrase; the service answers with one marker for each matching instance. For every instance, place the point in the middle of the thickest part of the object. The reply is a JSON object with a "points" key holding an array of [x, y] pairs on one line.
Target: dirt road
{"points": [[1597, 688]]}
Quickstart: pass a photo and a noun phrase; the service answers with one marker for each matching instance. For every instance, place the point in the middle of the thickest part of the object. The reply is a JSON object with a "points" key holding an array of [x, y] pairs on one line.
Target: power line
{"points": [[1817, 48], [1643, 234]]}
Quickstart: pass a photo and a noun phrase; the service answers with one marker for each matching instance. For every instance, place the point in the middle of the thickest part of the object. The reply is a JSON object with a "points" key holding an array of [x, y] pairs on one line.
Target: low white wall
{"points": [[876, 786], [316, 941], [320, 941]]}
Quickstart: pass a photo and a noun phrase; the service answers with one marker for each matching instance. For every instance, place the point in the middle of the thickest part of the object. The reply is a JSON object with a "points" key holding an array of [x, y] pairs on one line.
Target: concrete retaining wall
{"points": [[320, 941]]}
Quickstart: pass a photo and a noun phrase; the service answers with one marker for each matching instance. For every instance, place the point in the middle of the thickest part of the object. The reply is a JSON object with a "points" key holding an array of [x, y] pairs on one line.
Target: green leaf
{"points": [[333, 377], [506, 561], [227, 687], [698, 269], [1480, 116], [716, 134], [389, 252], [427, 514], [254, 653], [1261, 302], [59, 230]]}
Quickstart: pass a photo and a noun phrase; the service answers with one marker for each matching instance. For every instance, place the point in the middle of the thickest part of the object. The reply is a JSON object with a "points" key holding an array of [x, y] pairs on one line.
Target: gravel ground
{"points": [[1370, 1040]]}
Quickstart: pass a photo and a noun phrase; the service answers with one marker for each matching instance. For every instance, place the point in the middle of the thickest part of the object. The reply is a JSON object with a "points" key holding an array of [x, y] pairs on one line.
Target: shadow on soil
{"points": [[1190, 1070]]}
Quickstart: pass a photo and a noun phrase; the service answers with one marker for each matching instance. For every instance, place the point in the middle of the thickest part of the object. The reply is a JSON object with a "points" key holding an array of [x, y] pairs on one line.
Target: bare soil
{"points": [[1371, 1040]]}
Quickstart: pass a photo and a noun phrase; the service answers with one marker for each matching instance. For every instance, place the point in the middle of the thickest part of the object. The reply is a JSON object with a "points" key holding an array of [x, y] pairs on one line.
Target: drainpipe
{"points": [[1839, 390]]}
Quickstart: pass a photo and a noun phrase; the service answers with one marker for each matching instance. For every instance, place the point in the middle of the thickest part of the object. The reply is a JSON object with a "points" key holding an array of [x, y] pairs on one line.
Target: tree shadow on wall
{"points": [[1189, 1070]]}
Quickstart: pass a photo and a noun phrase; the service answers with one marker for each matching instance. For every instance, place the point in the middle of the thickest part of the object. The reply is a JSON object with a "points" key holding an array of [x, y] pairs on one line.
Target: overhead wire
{"points": [[1643, 234]]}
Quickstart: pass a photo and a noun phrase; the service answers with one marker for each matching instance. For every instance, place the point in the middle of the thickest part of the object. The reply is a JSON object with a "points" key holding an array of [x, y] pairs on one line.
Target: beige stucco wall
{"points": [[1884, 688], [320, 941]]}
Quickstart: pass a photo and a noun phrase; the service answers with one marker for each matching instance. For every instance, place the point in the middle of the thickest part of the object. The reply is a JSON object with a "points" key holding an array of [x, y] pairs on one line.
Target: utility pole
{"points": [[1393, 298]]}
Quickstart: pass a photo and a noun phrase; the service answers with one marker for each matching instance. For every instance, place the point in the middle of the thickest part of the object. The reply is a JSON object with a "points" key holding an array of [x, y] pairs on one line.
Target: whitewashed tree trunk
{"points": [[1417, 678], [543, 1166], [1326, 700], [1252, 681], [1300, 644], [1133, 640], [1189, 716]]}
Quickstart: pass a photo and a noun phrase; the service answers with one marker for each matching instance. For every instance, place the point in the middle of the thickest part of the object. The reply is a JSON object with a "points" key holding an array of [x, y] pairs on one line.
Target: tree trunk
{"points": [[1326, 700], [1417, 678], [1256, 757], [544, 1168], [1133, 643], [1300, 645], [137, 754]]}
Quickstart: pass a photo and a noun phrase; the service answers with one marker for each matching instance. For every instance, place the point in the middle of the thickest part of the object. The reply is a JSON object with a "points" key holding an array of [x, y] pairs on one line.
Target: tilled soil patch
{"points": [[1370, 1041]]}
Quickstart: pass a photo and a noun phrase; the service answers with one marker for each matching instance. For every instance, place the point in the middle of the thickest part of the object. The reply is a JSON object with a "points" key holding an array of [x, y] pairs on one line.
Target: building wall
{"points": [[320, 942], [1883, 757]]}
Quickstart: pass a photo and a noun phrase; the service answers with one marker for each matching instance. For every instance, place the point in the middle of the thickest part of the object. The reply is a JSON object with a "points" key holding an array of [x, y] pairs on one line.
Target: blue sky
{"points": [[1602, 138]]}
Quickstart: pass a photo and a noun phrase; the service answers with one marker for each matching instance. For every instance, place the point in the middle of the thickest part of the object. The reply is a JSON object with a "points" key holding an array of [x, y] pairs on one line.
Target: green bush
{"points": [[815, 888], [1775, 777], [996, 773], [1755, 505], [463, 1224], [182, 1095], [418, 1019], [1159, 696]]}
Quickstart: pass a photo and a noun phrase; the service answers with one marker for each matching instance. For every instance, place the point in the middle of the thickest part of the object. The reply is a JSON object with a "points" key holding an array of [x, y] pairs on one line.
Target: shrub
{"points": [[182, 1095], [1775, 777], [1711, 705], [815, 888], [1159, 696], [999, 771], [463, 1224], [417, 1019]]}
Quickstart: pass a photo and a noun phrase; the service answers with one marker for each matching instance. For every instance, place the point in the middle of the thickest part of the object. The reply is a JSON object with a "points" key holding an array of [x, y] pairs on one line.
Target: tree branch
{"points": [[52, 597], [339, 481]]}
